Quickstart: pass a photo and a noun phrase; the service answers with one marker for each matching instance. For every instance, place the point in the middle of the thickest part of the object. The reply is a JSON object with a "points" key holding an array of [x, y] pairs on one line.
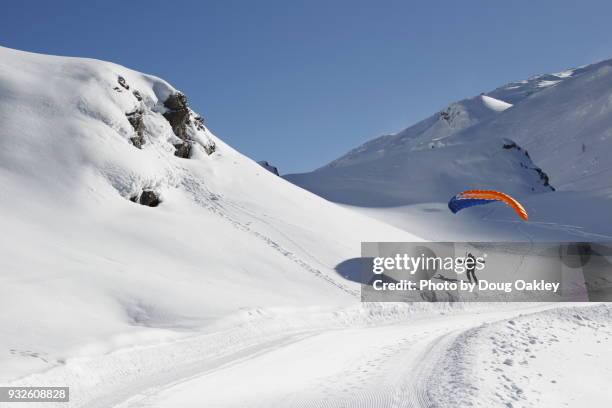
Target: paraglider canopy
{"points": [[470, 198]]}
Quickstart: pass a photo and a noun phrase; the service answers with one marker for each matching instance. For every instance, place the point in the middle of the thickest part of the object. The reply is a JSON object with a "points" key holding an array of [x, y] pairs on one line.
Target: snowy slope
{"points": [[556, 130], [561, 119], [428, 162], [146, 263], [567, 129], [458, 116], [450, 121], [422, 362], [461, 161], [529, 361], [86, 270]]}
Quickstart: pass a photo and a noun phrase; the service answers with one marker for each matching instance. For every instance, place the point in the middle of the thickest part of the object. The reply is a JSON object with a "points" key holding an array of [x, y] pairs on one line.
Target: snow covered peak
{"points": [[553, 135], [429, 132], [514, 92], [561, 119], [423, 135], [566, 126], [462, 115]]}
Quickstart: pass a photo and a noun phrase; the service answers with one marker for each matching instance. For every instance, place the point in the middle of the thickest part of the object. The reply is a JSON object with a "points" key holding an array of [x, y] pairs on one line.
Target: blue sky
{"points": [[299, 83]]}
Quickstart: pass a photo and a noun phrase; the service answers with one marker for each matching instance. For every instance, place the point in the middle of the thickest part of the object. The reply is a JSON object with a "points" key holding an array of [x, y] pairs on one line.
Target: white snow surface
{"points": [[226, 294], [429, 162], [567, 129], [561, 131], [559, 357], [495, 104], [85, 271], [558, 123]]}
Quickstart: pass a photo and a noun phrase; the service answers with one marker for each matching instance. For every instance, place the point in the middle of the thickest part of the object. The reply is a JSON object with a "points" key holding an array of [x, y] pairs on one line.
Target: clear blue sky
{"points": [[300, 82]]}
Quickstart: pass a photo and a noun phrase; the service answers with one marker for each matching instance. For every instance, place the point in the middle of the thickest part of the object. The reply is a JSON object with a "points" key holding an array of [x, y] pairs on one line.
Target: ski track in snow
{"points": [[350, 360], [381, 366], [213, 202]]}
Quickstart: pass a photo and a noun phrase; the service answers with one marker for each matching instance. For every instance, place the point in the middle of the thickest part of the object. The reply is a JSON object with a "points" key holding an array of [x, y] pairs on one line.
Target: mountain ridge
{"points": [[471, 122]]}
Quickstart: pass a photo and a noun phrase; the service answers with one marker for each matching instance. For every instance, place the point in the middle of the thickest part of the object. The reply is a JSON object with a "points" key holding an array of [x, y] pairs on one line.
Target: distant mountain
{"points": [[428, 162], [566, 126], [272, 169], [523, 138]]}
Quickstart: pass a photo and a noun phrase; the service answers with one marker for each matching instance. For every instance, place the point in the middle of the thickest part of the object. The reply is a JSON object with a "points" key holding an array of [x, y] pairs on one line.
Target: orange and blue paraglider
{"points": [[470, 198]]}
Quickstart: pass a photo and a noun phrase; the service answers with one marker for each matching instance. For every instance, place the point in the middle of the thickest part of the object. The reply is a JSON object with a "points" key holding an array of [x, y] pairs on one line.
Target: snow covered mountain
{"points": [[429, 161], [126, 221], [145, 263], [272, 169], [566, 127], [527, 138]]}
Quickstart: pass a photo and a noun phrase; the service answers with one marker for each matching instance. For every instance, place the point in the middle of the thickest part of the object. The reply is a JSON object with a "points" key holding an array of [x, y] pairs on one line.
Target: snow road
{"points": [[383, 366], [373, 355]]}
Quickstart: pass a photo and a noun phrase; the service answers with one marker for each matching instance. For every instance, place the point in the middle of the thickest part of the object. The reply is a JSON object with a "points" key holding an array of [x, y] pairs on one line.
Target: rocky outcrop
{"points": [[184, 121], [511, 145], [187, 126], [121, 81], [177, 114], [210, 148], [137, 95], [544, 177], [183, 150], [450, 113], [135, 119], [199, 123], [148, 197]]}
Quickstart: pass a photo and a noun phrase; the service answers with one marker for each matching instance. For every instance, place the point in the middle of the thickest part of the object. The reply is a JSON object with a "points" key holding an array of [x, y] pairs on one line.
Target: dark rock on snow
{"points": [[183, 150], [509, 145], [122, 82], [180, 116], [147, 197], [135, 119], [210, 149], [199, 123], [177, 114], [544, 178]]}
